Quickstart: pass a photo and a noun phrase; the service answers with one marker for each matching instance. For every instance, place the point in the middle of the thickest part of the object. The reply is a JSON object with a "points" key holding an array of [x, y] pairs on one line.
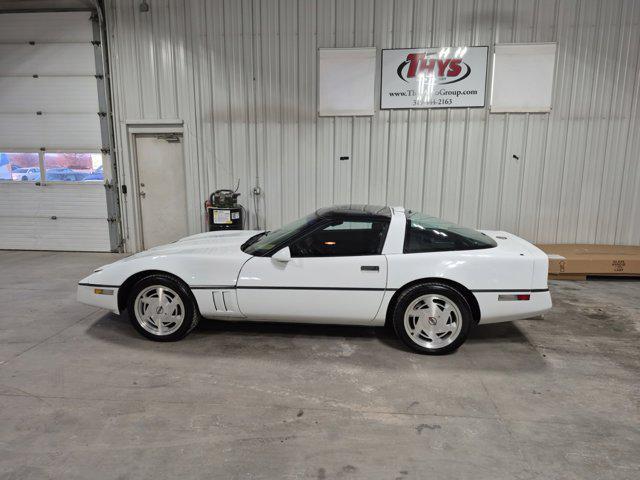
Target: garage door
{"points": [[52, 184]]}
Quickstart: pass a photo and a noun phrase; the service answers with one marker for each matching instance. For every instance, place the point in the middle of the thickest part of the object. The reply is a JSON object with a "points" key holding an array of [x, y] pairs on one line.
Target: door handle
{"points": [[370, 268]]}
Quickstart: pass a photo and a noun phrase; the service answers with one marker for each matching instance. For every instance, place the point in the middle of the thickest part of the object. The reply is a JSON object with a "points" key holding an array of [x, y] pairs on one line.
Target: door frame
{"points": [[144, 244], [132, 211]]}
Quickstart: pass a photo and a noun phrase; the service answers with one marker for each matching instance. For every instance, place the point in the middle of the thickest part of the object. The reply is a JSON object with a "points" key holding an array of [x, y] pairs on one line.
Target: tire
{"points": [[162, 308], [436, 334]]}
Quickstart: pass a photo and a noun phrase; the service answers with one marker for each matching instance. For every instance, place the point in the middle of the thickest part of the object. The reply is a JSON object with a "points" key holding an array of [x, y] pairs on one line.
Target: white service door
{"points": [[313, 289], [162, 191]]}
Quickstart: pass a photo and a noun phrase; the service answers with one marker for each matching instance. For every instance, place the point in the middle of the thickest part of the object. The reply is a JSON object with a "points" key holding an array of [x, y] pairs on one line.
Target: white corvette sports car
{"points": [[355, 264]]}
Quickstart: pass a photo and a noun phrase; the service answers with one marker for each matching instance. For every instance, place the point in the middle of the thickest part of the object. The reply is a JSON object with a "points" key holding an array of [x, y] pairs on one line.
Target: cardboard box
{"points": [[582, 260]]}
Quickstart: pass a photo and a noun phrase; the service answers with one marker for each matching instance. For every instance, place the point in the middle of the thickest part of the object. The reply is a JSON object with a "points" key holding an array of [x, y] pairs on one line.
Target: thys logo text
{"points": [[434, 68]]}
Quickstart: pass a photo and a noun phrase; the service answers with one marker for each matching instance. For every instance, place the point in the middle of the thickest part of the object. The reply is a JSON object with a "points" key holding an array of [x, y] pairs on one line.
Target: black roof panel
{"points": [[354, 210]]}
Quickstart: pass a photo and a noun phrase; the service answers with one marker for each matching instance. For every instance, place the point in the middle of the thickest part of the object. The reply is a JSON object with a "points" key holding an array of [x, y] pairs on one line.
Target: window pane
{"points": [[341, 239], [262, 245], [19, 167], [351, 226], [73, 167], [431, 234]]}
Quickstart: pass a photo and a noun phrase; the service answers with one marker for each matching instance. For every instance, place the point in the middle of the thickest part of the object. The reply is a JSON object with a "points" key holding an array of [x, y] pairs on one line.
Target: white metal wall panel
{"points": [[47, 59], [66, 99], [55, 217], [242, 76], [57, 131], [77, 200], [45, 27], [66, 234], [307, 81], [48, 94]]}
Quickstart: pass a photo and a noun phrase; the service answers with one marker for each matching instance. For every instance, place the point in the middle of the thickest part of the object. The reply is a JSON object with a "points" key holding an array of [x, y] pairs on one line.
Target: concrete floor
{"points": [[83, 396]]}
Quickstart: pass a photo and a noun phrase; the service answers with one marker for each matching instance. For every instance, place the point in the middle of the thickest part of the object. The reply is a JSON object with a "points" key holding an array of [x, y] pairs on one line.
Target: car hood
{"points": [[206, 259], [210, 243]]}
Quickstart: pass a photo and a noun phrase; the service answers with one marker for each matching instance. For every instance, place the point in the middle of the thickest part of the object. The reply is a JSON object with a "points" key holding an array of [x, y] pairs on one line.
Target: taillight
{"points": [[518, 296]]}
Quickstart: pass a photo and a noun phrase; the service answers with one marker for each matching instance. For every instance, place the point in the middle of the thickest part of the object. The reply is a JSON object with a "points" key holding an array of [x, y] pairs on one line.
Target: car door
{"points": [[336, 274]]}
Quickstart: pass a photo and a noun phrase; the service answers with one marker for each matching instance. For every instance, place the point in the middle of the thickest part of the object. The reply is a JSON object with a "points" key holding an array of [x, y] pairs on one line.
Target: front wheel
{"points": [[162, 308], [432, 318]]}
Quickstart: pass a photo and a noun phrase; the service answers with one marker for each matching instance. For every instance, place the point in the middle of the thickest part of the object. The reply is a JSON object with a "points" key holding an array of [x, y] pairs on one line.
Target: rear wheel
{"points": [[432, 318], [162, 308]]}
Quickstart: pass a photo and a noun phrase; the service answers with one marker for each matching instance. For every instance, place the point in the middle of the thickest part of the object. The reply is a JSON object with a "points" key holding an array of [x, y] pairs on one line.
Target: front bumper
{"points": [[101, 296], [493, 310]]}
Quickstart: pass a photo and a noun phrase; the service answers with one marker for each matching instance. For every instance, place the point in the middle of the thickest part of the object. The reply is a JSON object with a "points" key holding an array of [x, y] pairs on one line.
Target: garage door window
{"points": [[19, 167], [73, 167]]}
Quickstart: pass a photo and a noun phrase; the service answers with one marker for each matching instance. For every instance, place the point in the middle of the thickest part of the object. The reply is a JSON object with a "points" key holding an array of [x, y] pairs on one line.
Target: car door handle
{"points": [[370, 268]]}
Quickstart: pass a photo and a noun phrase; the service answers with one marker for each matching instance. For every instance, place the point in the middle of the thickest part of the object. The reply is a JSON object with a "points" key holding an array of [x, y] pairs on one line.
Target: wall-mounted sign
{"points": [[447, 77]]}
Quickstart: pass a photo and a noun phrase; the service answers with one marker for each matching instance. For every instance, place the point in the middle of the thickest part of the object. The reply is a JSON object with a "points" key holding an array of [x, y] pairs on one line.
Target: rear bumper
{"points": [[101, 296], [493, 310]]}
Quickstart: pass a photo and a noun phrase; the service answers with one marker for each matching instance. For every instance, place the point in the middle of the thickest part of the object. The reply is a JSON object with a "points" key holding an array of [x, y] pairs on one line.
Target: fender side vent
{"points": [[224, 301]]}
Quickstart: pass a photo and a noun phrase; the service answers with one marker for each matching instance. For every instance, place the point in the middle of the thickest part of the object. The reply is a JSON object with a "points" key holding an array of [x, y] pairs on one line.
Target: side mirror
{"points": [[282, 255]]}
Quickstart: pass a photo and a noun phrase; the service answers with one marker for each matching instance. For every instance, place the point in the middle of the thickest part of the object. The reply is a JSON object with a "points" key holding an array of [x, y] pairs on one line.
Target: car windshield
{"points": [[268, 240], [426, 233]]}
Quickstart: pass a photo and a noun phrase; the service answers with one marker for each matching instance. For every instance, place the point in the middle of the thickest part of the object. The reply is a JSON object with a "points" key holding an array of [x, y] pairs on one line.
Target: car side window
{"points": [[427, 240], [429, 234], [342, 238]]}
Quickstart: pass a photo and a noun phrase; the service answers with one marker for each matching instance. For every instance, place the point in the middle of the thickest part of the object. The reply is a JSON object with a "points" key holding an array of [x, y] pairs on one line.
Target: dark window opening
{"points": [[430, 234], [264, 242], [343, 238]]}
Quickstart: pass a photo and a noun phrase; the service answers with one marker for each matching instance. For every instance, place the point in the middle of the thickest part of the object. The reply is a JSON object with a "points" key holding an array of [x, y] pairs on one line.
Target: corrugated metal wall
{"points": [[242, 76]]}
